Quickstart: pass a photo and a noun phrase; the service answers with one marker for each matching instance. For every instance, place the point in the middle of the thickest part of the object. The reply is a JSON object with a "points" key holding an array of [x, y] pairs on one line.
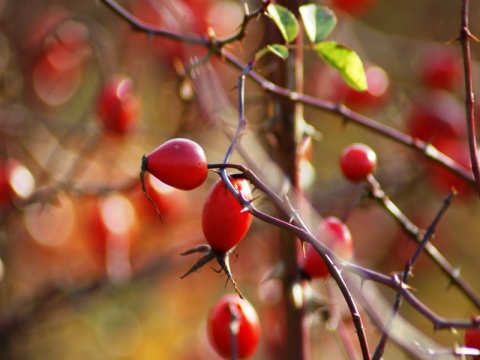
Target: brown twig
{"points": [[416, 234], [344, 113], [464, 38], [406, 275]]}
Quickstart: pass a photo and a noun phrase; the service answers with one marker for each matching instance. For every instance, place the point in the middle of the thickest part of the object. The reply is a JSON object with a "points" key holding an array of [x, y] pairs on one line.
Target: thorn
{"points": [[408, 287], [362, 282], [455, 274], [473, 37], [451, 41], [198, 248], [246, 9]]}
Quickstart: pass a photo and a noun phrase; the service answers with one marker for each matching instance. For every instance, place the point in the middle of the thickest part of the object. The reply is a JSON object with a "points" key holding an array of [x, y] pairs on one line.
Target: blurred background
{"points": [[87, 268]]}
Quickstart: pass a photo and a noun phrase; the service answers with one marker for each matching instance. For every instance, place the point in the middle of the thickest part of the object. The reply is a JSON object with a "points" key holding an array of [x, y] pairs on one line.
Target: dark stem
{"points": [[216, 47], [469, 97], [302, 233], [286, 118], [416, 234], [393, 282], [406, 274], [345, 114]]}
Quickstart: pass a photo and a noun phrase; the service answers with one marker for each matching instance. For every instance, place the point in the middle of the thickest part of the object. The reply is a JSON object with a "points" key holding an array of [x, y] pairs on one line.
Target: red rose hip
{"points": [[118, 106], [335, 235], [224, 220], [357, 161], [233, 318], [180, 163]]}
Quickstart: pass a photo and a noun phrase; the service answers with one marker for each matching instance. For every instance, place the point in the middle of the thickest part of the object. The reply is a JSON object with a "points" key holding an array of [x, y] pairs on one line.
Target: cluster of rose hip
{"points": [[181, 163], [437, 116], [59, 49]]}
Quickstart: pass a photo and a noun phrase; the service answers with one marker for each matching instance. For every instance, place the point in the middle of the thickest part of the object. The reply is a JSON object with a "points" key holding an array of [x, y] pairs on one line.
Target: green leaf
{"points": [[345, 61], [319, 21], [277, 49], [285, 21]]}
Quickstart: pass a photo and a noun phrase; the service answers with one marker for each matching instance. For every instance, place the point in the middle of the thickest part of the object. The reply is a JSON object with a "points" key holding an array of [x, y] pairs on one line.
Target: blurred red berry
{"points": [[118, 105]]}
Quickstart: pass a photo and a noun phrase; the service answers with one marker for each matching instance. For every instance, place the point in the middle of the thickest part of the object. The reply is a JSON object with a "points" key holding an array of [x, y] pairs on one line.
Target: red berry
{"points": [[472, 340], [444, 180], [436, 115], [442, 69], [357, 161], [353, 7], [224, 16], [60, 46], [233, 315], [54, 86], [224, 220], [118, 106], [180, 163], [337, 237]]}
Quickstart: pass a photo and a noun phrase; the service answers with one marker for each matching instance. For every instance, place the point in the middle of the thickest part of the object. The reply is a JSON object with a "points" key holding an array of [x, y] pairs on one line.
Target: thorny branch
{"points": [[416, 234], [216, 46], [334, 264], [407, 272], [464, 39], [393, 282]]}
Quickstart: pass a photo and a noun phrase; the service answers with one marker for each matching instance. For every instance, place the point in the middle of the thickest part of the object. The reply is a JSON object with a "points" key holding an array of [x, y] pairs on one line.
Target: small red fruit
{"points": [[472, 340], [337, 237], [59, 46], [436, 115], [224, 220], [357, 161], [442, 69], [233, 317], [54, 86], [180, 163], [353, 7], [444, 180], [118, 106]]}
